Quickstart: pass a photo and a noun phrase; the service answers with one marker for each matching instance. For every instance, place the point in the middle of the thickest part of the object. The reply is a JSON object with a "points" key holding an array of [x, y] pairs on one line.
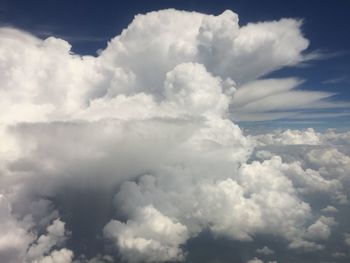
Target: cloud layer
{"points": [[133, 153]]}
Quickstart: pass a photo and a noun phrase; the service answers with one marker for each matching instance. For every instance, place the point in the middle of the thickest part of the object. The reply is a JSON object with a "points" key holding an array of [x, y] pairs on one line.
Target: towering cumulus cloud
{"points": [[132, 154]]}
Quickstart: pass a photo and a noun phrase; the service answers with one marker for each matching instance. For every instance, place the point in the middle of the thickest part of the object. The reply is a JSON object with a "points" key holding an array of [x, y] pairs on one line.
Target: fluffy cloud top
{"points": [[55, 235], [43, 81], [265, 251], [151, 236]]}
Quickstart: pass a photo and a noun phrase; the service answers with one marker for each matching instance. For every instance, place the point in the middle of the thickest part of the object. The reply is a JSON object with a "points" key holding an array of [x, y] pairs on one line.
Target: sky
{"points": [[174, 131]]}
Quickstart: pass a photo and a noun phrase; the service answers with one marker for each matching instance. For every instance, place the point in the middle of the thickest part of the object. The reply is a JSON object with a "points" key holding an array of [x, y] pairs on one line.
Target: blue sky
{"points": [[88, 26]]}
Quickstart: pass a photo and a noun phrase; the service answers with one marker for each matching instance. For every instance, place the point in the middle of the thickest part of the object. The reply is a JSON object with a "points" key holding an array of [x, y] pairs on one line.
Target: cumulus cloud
{"points": [[55, 236], [265, 251], [330, 209], [137, 147], [331, 163], [289, 137], [255, 260], [347, 239], [57, 256], [40, 77], [14, 234], [151, 236], [320, 229], [19, 243]]}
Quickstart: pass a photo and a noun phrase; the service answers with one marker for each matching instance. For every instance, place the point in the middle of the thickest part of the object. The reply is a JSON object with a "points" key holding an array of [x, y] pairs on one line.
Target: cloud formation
{"points": [[265, 251], [43, 81], [135, 149]]}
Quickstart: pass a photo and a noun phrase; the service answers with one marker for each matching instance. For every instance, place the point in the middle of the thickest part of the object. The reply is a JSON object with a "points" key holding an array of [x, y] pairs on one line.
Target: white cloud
{"points": [[19, 243], [265, 251], [56, 235], [259, 89], [320, 229], [14, 235], [265, 99], [40, 77], [147, 122], [337, 138], [150, 236], [236, 207], [331, 163], [303, 245], [347, 239], [330, 209], [57, 256], [255, 260], [289, 137]]}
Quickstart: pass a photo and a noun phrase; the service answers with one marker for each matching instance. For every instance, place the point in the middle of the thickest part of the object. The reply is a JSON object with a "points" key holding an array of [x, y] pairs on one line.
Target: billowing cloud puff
{"points": [[347, 239], [265, 251], [134, 151], [289, 137], [151, 236], [330, 209], [55, 235], [14, 234], [57, 256], [42, 80], [255, 260], [19, 244]]}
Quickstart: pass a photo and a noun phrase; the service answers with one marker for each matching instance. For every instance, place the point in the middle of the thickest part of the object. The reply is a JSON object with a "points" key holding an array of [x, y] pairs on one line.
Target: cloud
{"points": [[57, 256], [40, 78], [55, 236], [337, 80], [151, 236], [14, 234], [265, 251], [19, 244], [330, 209], [289, 137], [339, 254], [306, 246], [320, 229], [347, 239], [132, 154], [255, 260], [277, 98]]}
